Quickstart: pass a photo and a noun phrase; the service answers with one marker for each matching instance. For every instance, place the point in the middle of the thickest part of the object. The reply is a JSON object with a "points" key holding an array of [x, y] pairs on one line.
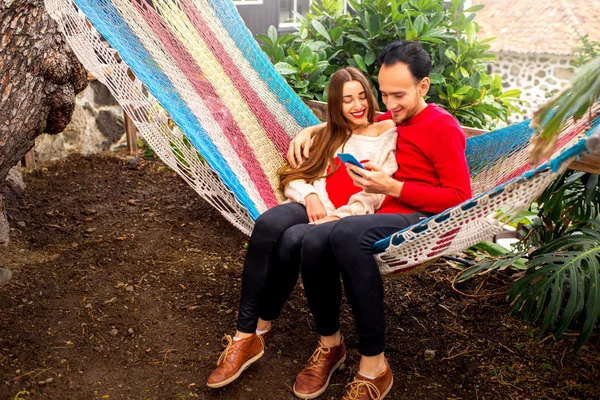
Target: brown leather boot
{"points": [[363, 388], [237, 356], [312, 381]]}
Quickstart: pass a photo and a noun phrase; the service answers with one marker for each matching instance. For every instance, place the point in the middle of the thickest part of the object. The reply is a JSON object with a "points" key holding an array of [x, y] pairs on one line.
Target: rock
{"points": [[4, 227], [110, 124], [5, 274], [77, 126], [14, 185], [102, 96], [430, 354]]}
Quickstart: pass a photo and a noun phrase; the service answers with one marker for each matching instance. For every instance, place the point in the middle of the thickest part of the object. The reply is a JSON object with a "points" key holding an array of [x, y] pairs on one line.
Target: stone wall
{"points": [[97, 125], [538, 76]]}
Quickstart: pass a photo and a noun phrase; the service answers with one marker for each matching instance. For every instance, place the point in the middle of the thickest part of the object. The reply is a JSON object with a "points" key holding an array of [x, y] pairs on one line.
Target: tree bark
{"points": [[39, 78]]}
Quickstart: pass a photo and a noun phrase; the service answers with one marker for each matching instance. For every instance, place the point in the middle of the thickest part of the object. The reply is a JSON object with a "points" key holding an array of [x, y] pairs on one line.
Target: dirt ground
{"points": [[125, 281]]}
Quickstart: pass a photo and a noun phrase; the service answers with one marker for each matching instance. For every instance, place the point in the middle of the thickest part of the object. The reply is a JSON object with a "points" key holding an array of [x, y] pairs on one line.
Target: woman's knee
{"points": [[273, 222], [315, 246], [290, 242]]}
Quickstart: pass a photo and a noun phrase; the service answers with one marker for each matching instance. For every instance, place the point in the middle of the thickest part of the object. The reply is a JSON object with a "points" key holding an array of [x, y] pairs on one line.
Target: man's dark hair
{"points": [[410, 53]]}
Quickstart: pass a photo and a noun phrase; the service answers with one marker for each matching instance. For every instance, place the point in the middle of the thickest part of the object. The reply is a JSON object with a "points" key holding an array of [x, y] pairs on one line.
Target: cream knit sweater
{"points": [[380, 150]]}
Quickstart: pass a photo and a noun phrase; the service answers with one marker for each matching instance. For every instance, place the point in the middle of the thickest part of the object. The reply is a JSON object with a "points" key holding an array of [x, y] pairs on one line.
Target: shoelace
{"points": [[315, 358], [354, 390], [226, 341]]}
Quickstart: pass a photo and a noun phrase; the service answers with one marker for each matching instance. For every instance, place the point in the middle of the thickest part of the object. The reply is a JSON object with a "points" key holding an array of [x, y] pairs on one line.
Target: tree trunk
{"points": [[39, 78]]}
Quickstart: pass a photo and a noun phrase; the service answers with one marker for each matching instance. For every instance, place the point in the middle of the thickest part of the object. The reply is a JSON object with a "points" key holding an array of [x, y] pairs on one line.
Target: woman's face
{"points": [[355, 106]]}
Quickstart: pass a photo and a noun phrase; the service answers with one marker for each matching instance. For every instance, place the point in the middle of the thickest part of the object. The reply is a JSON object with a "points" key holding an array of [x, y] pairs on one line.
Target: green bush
{"points": [[460, 82]]}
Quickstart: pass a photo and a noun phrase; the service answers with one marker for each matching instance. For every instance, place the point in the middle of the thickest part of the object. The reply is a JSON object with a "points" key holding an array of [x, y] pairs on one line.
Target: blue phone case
{"points": [[349, 158]]}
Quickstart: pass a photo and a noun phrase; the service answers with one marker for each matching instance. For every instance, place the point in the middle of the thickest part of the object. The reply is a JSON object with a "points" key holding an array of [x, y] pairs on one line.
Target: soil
{"points": [[125, 280]]}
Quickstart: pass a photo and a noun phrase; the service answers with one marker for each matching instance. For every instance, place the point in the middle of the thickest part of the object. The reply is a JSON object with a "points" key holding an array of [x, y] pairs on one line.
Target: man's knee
{"points": [[352, 248], [346, 234]]}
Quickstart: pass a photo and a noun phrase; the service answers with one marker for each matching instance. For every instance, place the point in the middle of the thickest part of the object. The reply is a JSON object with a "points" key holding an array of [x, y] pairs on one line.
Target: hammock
{"points": [[235, 116]]}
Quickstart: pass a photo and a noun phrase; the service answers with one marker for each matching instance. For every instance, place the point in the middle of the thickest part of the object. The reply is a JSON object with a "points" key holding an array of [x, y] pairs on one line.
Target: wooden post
{"points": [[131, 132], [29, 159], [590, 163]]}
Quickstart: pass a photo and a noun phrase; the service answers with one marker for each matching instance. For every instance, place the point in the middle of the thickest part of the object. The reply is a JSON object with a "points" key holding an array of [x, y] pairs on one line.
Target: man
{"points": [[432, 176]]}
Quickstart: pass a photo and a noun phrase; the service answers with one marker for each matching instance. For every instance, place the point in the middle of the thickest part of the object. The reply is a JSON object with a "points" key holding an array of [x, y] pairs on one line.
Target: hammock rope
{"points": [[234, 116]]}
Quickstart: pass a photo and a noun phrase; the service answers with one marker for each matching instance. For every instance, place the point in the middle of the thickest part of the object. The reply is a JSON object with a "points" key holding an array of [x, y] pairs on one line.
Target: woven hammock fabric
{"points": [[234, 116], [212, 78]]}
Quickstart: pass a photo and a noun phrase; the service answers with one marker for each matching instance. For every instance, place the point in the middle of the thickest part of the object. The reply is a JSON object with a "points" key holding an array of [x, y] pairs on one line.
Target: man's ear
{"points": [[423, 86]]}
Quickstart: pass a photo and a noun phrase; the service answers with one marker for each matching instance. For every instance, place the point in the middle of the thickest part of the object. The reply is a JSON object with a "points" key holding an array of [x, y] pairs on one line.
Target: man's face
{"points": [[401, 93]]}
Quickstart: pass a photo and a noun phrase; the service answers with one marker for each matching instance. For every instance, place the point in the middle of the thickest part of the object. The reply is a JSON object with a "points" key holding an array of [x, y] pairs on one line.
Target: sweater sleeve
{"points": [[448, 157], [384, 116], [297, 190], [367, 203]]}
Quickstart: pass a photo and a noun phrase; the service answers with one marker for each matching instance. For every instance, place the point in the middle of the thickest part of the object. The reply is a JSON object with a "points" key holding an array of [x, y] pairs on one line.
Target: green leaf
{"points": [[321, 29], [511, 93], [370, 57], [285, 69], [436, 78], [563, 284], [278, 55], [590, 187], [450, 54], [474, 8], [357, 39], [360, 62], [264, 38], [374, 25], [305, 55], [336, 33], [272, 34], [418, 24]]}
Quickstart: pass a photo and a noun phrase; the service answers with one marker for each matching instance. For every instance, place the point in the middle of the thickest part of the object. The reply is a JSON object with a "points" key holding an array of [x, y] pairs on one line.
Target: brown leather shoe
{"points": [[266, 335], [237, 356], [363, 388], [312, 381]]}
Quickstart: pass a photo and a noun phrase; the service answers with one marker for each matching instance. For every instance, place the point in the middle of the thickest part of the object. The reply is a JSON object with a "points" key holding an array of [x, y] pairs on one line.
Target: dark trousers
{"points": [[272, 264], [346, 247]]}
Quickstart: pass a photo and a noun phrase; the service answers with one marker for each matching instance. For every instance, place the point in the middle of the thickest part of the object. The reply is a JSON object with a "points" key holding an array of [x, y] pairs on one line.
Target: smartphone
{"points": [[349, 158]]}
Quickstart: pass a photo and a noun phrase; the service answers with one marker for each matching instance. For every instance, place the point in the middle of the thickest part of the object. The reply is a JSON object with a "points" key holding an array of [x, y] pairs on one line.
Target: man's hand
{"points": [[300, 145], [374, 180], [325, 220], [314, 208]]}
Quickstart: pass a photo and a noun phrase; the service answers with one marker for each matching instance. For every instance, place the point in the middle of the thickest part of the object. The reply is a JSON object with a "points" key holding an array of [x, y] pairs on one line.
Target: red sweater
{"points": [[431, 163]]}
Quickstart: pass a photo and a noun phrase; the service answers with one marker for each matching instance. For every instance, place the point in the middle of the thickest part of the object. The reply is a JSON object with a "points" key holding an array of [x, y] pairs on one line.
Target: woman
{"points": [[318, 192]]}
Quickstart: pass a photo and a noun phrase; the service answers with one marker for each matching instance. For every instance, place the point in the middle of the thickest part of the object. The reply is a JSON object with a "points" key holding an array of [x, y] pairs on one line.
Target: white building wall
{"points": [[538, 76]]}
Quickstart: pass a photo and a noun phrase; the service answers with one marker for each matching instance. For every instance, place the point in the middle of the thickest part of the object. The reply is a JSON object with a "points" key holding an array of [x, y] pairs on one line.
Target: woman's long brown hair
{"points": [[336, 132]]}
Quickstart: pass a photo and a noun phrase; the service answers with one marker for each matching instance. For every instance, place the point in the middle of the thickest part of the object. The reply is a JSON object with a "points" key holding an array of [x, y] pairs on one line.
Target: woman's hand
{"points": [[326, 220], [314, 208]]}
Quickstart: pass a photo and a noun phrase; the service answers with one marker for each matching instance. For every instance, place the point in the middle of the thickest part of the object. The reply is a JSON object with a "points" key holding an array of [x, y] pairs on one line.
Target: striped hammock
{"points": [[234, 116]]}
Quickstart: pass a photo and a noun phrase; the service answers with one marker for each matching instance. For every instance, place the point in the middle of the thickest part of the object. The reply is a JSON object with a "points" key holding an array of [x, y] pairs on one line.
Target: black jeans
{"points": [[346, 247], [272, 264]]}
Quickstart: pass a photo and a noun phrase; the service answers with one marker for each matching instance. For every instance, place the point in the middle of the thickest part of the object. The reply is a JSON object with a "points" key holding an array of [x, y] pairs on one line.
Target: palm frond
{"points": [[562, 284]]}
